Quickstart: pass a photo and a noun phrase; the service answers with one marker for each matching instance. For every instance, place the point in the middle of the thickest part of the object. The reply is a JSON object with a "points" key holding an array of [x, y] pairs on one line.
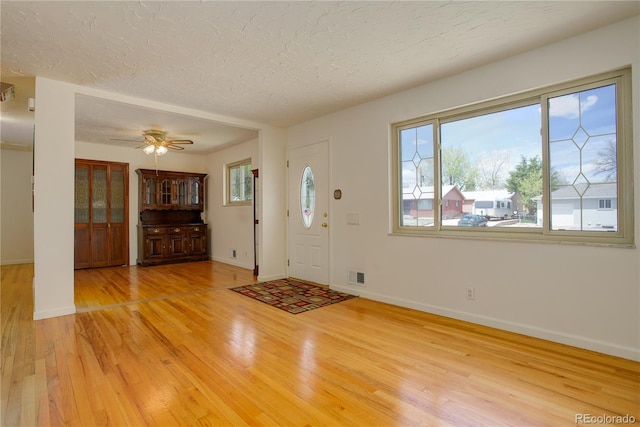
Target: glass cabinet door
{"points": [[194, 191], [165, 192], [150, 191], [182, 192]]}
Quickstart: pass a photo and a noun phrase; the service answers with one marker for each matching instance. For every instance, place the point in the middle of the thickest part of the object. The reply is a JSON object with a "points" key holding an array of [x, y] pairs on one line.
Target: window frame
{"points": [[228, 169], [623, 236]]}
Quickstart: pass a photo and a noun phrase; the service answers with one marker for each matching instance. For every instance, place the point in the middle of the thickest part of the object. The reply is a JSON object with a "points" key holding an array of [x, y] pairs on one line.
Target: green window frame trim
{"points": [[238, 183], [622, 236]]}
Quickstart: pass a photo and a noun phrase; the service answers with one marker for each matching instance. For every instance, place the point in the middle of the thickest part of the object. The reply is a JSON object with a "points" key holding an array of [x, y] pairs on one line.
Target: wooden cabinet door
{"points": [[154, 243], [198, 240], [178, 241]]}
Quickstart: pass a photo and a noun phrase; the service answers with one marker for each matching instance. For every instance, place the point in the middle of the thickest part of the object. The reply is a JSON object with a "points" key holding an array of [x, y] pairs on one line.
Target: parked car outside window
{"points": [[470, 220]]}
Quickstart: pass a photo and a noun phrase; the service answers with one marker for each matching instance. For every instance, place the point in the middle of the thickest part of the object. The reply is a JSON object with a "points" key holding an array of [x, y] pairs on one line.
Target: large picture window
{"points": [[554, 164]]}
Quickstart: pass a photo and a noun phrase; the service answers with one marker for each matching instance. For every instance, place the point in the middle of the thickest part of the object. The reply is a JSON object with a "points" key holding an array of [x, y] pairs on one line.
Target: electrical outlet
{"points": [[471, 293]]}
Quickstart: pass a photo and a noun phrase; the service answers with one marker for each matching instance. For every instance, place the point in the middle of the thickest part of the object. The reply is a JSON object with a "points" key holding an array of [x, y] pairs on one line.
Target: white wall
{"points": [[231, 226], [580, 295], [16, 225]]}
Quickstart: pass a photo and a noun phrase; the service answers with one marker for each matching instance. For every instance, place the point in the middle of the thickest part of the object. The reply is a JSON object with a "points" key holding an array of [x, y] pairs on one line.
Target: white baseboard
{"points": [[46, 314], [520, 328], [271, 277], [233, 262], [16, 261], [261, 278]]}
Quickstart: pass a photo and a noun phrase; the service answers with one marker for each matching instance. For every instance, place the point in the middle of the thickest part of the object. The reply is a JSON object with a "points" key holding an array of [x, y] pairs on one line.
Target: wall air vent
{"points": [[356, 278]]}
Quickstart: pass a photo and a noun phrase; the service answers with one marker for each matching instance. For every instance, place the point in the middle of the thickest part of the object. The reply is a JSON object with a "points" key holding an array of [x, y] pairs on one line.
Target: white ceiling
{"points": [[272, 62]]}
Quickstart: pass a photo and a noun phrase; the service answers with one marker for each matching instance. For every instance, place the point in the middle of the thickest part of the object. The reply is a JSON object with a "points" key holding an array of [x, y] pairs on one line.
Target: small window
{"points": [[605, 203], [307, 197], [239, 183]]}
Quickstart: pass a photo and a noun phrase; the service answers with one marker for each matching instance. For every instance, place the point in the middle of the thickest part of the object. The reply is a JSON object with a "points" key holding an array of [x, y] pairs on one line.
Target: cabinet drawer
{"points": [[197, 229], [177, 230], [155, 231]]}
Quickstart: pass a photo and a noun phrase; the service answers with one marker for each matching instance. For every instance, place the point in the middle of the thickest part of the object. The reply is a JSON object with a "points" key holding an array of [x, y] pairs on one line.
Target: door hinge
{"points": [[287, 213], [288, 264], [287, 163]]}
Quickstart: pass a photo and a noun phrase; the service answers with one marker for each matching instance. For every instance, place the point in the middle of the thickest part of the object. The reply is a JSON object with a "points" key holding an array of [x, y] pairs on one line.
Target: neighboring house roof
{"points": [[427, 192], [488, 194], [588, 191]]}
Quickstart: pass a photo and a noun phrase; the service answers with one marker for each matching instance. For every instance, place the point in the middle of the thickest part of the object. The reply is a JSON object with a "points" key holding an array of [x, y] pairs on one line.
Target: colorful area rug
{"points": [[292, 295]]}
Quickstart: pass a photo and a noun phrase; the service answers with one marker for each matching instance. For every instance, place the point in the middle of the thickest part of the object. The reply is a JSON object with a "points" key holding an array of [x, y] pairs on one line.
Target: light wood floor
{"points": [[172, 346]]}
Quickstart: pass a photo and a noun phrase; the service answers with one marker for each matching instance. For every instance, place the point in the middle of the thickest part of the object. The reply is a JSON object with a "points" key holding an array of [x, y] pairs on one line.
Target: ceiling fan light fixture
{"points": [[161, 150], [148, 149]]}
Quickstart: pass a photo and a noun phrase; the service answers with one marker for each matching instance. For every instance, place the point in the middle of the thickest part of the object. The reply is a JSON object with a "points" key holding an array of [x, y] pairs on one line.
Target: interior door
{"points": [[309, 221], [101, 211]]}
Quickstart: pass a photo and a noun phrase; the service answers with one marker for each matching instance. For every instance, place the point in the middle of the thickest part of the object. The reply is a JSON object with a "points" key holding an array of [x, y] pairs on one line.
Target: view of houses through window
{"points": [[505, 163]]}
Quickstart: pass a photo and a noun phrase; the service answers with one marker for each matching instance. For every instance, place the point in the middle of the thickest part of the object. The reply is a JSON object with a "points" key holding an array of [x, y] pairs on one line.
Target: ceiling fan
{"points": [[156, 142]]}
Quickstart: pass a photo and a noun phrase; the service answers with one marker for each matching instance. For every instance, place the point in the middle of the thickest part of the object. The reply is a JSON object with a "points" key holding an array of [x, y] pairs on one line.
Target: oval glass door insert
{"points": [[307, 197]]}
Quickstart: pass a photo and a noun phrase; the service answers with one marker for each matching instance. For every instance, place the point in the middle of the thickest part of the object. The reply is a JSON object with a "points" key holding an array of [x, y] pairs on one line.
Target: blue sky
{"points": [[514, 133]]}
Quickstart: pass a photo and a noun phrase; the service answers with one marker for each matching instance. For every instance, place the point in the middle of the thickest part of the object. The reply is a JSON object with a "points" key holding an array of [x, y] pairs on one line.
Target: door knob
{"points": [[325, 225]]}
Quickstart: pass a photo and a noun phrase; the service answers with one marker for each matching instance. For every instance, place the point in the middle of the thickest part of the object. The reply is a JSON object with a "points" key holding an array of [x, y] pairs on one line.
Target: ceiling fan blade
{"points": [[142, 146], [127, 140], [180, 141], [175, 147]]}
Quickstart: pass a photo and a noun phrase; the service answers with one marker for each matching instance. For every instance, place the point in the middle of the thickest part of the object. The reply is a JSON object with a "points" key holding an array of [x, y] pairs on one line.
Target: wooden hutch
{"points": [[170, 227]]}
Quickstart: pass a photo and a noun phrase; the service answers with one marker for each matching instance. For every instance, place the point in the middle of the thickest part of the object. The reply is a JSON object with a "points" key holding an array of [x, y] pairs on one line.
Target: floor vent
{"points": [[356, 278]]}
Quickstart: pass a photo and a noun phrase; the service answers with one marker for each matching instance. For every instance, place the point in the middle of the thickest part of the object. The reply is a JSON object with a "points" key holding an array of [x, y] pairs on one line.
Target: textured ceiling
{"points": [[108, 122], [278, 62]]}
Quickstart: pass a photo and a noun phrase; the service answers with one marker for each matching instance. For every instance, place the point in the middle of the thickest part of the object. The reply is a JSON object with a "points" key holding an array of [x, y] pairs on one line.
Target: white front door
{"points": [[309, 220]]}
